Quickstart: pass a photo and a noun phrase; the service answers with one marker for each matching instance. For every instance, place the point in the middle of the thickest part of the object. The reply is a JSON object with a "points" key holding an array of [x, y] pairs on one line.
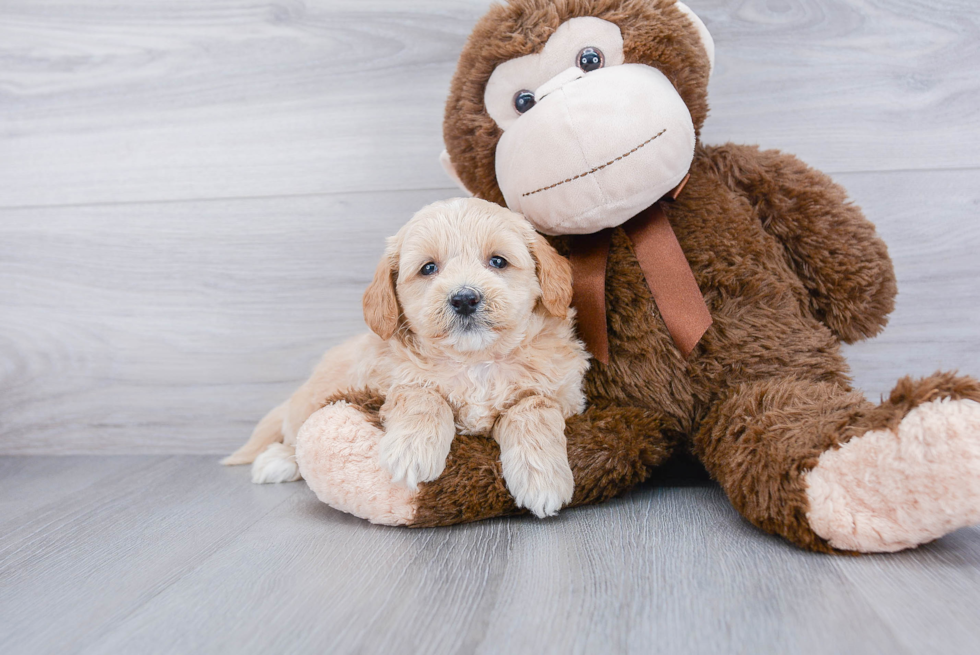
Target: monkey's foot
{"points": [[891, 489], [337, 452]]}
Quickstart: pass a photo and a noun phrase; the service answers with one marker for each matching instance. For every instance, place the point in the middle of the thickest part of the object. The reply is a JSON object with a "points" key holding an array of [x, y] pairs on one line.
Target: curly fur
{"points": [[512, 367]]}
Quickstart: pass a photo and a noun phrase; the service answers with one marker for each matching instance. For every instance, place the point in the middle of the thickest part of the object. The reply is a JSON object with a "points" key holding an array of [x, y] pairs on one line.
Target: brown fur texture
{"points": [[788, 267], [610, 452]]}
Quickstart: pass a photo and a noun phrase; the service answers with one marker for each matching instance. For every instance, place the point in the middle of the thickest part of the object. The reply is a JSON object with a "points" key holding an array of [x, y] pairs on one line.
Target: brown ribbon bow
{"points": [[665, 268]]}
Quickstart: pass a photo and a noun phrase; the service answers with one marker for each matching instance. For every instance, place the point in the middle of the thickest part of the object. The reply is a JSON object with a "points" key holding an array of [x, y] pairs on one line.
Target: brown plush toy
{"points": [[584, 115]]}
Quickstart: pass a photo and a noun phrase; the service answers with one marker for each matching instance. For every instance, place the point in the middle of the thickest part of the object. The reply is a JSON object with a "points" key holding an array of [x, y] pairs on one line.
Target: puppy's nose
{"points": [[465, 301]]}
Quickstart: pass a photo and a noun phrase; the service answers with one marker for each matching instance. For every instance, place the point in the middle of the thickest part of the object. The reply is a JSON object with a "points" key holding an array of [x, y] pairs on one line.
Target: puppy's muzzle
{"points": [[465, 301]]}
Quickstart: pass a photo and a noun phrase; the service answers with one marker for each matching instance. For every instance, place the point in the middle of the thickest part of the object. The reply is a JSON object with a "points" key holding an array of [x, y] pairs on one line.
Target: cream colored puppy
{"points": [[471, 331]]}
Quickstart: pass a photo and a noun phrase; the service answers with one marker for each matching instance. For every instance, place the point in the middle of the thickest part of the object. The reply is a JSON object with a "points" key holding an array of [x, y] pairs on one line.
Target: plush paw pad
{"points": [[337, 452], [889, 490]]}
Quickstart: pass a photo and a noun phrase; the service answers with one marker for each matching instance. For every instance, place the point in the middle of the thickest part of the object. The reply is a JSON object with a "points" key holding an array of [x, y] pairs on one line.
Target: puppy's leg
{"points": [[277, 463], [534, 455], [268, 431], [419, 430], [332, 374]]}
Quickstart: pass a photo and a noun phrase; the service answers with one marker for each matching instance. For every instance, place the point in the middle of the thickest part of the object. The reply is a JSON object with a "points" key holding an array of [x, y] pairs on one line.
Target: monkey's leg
{"points": [[337, 450], [827, 470], [609, 450]]}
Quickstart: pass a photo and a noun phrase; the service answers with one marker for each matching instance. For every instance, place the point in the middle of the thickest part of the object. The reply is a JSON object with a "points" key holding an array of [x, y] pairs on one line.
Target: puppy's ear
{"points": [[380, 302], [555, 276]]}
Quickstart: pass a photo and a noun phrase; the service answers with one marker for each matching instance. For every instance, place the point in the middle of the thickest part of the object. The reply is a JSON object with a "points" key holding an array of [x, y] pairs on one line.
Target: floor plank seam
{"points": [[117, 623], [5, 556], [177, 201], [873, 606], [419, 189], [403, 571]]}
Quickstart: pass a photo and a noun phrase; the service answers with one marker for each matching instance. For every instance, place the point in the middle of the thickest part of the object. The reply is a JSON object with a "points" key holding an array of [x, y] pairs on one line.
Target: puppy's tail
{"points": [[268, 431]]}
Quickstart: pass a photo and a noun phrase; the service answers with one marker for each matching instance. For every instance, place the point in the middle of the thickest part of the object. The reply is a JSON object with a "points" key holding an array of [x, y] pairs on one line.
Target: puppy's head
{"points": [[463, 275]]}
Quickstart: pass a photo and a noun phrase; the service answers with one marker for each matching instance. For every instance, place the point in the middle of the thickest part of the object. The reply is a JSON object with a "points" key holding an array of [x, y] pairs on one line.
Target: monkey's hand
{"points": [[831, 246]]}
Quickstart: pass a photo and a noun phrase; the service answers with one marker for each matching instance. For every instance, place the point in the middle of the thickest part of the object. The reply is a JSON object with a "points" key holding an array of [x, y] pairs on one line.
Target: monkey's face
{"points": [[589, 141], [589, 133]]}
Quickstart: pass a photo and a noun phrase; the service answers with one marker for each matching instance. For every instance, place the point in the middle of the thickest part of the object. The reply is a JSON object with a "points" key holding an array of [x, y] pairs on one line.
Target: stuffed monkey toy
{"points": [[714, 309]]}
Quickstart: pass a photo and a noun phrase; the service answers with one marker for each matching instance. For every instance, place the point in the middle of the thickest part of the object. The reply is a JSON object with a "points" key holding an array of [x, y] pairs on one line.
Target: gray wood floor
{"points": [[193, 196], [171, 554]]}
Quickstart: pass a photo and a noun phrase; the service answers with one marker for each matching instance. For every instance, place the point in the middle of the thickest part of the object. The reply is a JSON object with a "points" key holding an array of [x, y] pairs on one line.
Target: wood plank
{"points": [[946, 572], [73, 568], [629, 576], [172, 327], [32, 484], [674, 570], [173, 100], [177, 554], [848, 85]]}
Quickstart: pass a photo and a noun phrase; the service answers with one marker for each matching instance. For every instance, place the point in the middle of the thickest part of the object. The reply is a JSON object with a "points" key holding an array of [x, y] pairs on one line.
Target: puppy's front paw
{"points": [[540, 484], [414, 455]]}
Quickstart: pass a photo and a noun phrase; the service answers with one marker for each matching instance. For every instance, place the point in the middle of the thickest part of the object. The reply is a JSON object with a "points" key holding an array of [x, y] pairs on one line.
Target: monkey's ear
{"points": [[706, 40], [447, 165], [555, 276], [380, 302]]}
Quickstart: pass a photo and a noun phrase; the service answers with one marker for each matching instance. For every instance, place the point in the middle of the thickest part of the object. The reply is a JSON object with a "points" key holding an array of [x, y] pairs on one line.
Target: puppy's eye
{"points": [[429, 269], [523, 101], [498, 262], [590, 59]]}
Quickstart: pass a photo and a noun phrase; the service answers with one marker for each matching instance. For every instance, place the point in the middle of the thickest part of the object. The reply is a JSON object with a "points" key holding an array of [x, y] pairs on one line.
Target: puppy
{"points": [[471, 331]]}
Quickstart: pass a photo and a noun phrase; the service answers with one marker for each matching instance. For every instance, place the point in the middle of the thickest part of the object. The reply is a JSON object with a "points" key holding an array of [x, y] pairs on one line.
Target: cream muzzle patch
{"points": [[574, 135], [589, 141]]}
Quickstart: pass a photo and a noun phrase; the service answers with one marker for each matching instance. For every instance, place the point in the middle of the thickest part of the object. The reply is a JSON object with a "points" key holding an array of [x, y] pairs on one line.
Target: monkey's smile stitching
{"points": [[597, 168]]}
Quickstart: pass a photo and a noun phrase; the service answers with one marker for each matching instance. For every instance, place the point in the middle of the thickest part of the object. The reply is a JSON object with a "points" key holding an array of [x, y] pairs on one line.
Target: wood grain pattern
{"points": [[77, 565], [173, 99], [102, 102], [929, 221], [178, 555], [170, 327], [848, 85]]}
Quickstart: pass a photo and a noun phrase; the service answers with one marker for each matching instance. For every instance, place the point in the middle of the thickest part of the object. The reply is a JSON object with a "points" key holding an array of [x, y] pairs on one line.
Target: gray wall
{"points": [[194, 194]]}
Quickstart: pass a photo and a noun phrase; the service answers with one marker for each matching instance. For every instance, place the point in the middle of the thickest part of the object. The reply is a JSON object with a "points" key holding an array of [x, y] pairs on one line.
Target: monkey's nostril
{"points": [[465, 301]]}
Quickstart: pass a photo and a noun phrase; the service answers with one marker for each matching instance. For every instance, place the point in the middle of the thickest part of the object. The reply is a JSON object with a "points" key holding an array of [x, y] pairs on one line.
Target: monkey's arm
{"points": [[832, 247], [610, 450]]}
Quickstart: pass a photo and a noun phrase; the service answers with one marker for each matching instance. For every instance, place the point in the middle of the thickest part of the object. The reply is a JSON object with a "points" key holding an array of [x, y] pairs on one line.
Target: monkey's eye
{"points": [[590, 59], [523, 101], [498, 262], [429, 269]]}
